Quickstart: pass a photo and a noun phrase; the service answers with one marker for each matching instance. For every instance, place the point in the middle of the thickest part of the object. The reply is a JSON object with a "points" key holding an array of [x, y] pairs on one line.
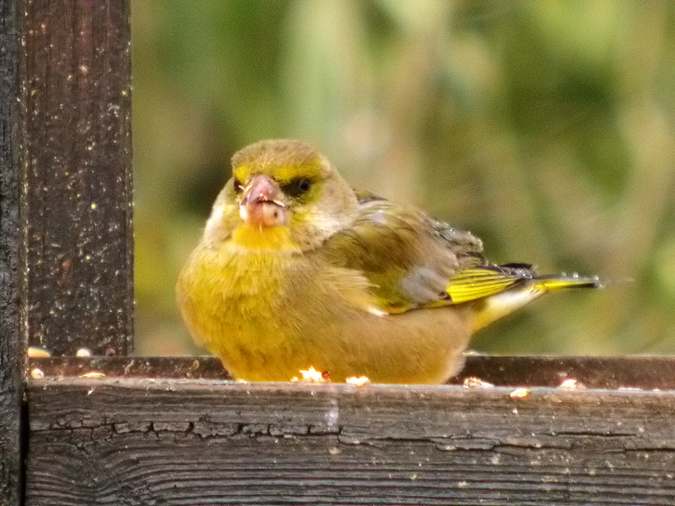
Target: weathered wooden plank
{"points": [[152, 441], [647, 373], [11, 343], [76, 82]]}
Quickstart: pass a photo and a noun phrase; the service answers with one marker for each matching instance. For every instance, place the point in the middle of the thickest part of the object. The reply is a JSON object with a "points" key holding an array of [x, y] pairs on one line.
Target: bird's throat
{"points": [[254, 237]]}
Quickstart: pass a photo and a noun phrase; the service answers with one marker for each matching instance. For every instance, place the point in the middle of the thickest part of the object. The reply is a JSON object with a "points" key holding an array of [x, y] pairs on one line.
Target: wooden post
{"points": [[12, 356], [78, 196]]}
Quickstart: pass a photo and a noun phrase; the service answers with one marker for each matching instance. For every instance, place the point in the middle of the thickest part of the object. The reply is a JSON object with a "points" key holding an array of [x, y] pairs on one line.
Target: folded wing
{"points": [[406, 256], [413, 261]]}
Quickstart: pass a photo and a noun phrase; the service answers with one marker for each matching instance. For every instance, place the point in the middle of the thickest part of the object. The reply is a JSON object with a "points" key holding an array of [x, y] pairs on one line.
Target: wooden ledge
{"points": [[643, 372], [146, 440]]}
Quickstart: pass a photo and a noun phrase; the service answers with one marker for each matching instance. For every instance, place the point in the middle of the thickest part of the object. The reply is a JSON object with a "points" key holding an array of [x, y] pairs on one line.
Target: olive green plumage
{"points": [[295, 269]]}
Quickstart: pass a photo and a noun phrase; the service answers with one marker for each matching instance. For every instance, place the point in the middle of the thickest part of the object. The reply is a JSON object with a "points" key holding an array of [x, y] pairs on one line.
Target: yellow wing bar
{"points": [[478, 283]]}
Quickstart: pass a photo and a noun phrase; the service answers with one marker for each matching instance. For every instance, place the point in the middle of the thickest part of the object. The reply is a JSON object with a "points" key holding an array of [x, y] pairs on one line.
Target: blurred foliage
{"points": [[545, 127]]}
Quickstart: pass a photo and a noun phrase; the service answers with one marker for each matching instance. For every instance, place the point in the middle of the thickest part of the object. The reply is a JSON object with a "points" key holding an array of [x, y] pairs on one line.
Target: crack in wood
{"points": [[202, 441]]}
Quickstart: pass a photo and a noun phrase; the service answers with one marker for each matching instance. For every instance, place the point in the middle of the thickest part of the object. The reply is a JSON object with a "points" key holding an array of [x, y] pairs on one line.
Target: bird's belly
{"points": [[266, 323], [418, 347], [245, 310]]}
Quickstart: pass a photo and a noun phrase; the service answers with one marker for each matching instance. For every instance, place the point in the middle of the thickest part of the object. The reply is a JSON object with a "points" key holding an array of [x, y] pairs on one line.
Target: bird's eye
{"points": [[297, 187], [238, 187]]}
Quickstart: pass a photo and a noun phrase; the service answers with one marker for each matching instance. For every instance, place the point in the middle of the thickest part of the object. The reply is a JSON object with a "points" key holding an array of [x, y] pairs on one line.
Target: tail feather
{"points": [[558, 282]]}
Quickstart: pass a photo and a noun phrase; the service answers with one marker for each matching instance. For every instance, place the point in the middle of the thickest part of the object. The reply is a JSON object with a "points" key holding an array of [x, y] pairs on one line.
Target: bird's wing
{"points": [[406, 256]]}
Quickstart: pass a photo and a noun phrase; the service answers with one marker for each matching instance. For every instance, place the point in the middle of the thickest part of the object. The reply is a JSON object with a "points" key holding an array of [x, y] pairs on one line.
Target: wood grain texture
{"points": [[77, 98], [646, 372], [147, 441], [12, 357]]}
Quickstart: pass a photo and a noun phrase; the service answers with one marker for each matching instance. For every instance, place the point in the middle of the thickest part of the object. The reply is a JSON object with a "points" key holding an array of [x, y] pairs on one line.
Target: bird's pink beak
{"points": [[261, 204]]}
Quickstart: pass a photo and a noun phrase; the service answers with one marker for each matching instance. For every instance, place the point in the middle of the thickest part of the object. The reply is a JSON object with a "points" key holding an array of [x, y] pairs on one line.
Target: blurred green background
{"points": [[547, 128]]}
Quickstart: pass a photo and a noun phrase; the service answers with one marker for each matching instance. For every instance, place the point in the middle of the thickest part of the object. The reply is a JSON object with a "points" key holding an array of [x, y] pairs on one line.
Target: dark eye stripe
{"points": [[297, 187]]}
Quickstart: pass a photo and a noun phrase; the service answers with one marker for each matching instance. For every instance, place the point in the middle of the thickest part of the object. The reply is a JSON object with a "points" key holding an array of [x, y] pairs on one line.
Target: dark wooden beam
{"points": [[12, 356], [157, 441], [646, 373], [77, 99]]}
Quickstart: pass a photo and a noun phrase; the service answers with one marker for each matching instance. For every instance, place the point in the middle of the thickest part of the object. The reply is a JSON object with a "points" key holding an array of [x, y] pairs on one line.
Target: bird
{"points": [[296, 269]]}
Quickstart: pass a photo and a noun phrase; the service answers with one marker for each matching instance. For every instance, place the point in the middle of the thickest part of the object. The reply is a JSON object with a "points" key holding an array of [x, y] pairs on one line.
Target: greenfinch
{"points": [[295, 269]]}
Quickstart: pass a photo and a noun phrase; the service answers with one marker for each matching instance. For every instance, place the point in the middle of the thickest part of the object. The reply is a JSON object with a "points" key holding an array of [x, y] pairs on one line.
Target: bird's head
{"points": [[283, 194]]}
